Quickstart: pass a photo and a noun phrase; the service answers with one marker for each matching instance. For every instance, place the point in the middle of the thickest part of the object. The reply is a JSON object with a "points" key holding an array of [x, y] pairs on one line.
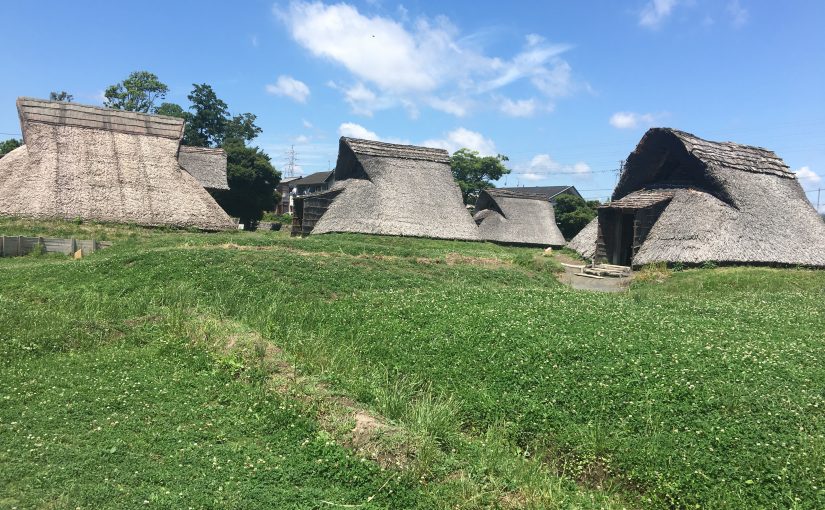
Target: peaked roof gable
{"points": [[392, 150], [547, 191], [205, 164]]}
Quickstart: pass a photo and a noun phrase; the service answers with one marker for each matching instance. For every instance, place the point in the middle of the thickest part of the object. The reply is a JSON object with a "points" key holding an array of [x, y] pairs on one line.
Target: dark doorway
{"points": [[620, 247]]}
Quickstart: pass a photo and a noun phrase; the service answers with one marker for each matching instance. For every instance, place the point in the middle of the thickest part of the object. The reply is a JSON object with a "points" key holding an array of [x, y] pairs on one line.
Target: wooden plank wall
{"points": [[16, 246]]}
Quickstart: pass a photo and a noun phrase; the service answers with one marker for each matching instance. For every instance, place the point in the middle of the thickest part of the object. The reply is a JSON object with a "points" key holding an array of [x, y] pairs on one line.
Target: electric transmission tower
{"points": [[291, 159]]}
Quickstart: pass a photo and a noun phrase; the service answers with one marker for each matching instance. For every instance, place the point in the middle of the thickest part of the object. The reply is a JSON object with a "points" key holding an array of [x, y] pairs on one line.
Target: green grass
{"points": [[704, 389]]}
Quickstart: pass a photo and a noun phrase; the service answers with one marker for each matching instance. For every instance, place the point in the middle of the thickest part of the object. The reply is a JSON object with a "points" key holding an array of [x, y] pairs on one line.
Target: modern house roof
{"points": [[207, 165], [106, 165], [313, 179], [395, 189], [511, 217], [725, 202]]}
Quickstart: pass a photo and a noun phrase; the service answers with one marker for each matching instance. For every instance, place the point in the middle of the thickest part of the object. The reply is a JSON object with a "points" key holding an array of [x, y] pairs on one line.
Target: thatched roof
{"points": [[728, 203], [517, 218], [105, 165], [549, 192], [207, 165], [585, 241], [395, 189], [61, 113]]}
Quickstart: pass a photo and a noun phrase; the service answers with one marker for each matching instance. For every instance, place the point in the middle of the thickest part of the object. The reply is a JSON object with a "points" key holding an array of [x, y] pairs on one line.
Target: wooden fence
{"points": [[16, 246]]}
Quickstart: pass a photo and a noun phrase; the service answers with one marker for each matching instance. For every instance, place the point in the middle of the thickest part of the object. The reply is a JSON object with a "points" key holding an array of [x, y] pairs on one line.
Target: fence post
{"points": [[73, 246], [2, 246], [19, 246]]}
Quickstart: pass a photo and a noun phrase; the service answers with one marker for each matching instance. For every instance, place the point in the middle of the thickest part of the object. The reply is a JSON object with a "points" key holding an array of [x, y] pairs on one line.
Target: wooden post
{"points": [[73, 246], [2, 246], [19, 246]]}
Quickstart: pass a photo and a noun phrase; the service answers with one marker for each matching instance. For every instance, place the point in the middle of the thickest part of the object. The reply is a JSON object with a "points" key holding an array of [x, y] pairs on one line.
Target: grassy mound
{"points": [[702, 388]]}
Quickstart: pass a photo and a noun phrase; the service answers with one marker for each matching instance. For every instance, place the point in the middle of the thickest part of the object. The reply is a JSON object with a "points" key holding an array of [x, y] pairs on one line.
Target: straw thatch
{"points": [[106, 165], [515, 217], [585, 241], [549, 192], [390, 189], [207, 165], [694, 201]]}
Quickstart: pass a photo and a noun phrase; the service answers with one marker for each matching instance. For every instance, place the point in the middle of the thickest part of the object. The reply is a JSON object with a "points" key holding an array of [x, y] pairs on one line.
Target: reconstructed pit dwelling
{"points": [[517, 217], [388, 189], [108, 165], [682, 199]]}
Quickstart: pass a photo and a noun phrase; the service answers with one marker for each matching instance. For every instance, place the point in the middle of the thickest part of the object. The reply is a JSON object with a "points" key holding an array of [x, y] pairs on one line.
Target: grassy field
{"points": [[501, 388]]}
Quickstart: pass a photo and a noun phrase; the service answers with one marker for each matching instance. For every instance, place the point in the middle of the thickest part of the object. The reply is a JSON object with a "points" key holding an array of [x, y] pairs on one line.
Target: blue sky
{"points": [[565, 89]]}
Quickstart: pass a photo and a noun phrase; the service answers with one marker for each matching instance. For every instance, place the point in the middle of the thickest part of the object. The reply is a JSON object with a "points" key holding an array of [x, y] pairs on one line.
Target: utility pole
{"points": [[817, 198], [291, 159], [619, 172]]}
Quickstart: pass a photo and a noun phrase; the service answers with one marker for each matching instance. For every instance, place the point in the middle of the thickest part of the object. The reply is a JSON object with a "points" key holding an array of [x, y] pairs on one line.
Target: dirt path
{"points": [[607, 284]]}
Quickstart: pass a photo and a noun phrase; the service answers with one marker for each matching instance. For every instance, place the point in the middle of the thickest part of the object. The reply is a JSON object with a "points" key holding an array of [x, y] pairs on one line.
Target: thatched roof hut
{"points": [[205, 164], [551, 193], [99, 164], [684, 199], [515, 217], [390, 189]]}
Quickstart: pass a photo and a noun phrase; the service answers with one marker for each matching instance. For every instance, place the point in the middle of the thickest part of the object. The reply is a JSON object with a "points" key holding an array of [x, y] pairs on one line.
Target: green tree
{"points": [[61, 96], [252, 183], [475, 173], [137, 93], [9, 145], [242, 127], [172, 110], [573, 214], [207, 124]]}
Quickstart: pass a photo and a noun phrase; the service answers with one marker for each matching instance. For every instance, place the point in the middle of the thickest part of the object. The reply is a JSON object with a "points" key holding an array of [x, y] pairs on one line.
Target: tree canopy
{"points": [[573, 214], [61, 96], [474, 173], [172, 110], [252, 183], [137, 93], [9, 145], [209, 123]]}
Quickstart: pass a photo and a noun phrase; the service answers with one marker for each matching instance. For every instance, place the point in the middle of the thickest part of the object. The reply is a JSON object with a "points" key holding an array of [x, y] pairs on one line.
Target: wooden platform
{"points": [[602, 270]]}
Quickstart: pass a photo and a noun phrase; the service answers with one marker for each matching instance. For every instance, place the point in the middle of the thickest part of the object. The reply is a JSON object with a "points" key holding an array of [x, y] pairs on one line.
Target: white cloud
{"points": [[529, 176], [462, 138], [454, 106], [352, 130], [739, 15], [301, 139], [631, 120], [408, 63], [254, 41], [307, 124], [807, 177], [519, 108], [289, 87], [655, 12], [543, 166]]}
